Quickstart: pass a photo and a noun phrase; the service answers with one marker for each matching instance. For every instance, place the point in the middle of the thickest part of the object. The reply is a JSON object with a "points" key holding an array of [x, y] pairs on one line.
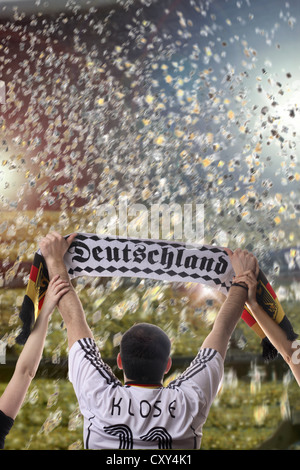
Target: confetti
{"points": [[189, 104]]}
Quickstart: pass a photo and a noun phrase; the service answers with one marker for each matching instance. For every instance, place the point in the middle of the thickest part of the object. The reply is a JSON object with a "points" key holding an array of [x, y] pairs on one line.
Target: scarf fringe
{"points": [[269, 352]]}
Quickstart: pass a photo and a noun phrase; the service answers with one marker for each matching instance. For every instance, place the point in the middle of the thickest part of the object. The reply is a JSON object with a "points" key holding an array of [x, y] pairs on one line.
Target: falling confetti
{"points": [[164, 102]]}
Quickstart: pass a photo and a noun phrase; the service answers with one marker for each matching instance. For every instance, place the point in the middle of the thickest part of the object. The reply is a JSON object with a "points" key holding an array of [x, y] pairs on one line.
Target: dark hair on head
{"points": [[145, 350]]}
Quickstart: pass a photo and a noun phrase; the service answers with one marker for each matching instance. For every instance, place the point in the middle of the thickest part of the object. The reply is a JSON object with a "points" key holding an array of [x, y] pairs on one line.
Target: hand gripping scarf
{"points": [[93, 255]]}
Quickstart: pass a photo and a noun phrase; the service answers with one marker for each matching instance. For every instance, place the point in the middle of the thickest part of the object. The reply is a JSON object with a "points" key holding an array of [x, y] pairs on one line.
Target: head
{"points": [[144, 354]]}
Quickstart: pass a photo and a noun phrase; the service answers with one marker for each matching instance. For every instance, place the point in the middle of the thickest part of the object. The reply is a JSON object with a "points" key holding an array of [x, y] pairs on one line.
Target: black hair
{"points": [[145, 350]]}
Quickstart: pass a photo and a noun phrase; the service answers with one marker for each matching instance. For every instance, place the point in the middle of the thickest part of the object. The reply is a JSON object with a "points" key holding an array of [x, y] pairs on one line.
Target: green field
{"points": [[246, 412], [239, 419]]}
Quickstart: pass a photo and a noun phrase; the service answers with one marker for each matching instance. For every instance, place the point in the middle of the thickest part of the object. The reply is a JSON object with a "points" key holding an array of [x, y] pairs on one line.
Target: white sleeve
{"points": [[204, 376], [87, 371]]}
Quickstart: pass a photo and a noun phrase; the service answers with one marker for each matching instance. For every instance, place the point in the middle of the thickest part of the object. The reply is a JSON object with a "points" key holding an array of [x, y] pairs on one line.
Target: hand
{"points": [[243, 261], [57, 287], [54, 246], [249, 278]]}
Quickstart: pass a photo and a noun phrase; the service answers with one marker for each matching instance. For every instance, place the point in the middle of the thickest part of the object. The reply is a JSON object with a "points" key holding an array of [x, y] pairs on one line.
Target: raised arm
{"points": [[29, 359], [233, 306], [53, 248], [289, 350]]}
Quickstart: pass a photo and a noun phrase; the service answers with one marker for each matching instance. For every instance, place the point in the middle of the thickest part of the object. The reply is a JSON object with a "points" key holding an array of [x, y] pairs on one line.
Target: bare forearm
{"points": [[70, 302], [26, 368], [31, 354], [226, 320], [231, 311], [69, 305], [273, 331]]}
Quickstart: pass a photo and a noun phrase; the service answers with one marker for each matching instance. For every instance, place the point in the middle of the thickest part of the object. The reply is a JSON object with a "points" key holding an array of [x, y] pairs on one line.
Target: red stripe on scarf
{"points": [[270, 289], [248, 318], [33, 273], [41, 303]]}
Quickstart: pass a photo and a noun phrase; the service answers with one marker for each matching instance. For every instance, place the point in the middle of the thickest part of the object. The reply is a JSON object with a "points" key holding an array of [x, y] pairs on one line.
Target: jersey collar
{"points": [[136, 384]]}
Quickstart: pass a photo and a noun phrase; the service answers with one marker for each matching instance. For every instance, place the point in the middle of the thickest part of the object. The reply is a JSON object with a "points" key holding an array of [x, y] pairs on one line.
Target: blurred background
{"points": [[155, 101]]}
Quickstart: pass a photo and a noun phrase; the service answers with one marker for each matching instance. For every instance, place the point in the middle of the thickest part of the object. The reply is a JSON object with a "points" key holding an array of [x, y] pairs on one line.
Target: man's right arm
{"points": [[53, 248]]}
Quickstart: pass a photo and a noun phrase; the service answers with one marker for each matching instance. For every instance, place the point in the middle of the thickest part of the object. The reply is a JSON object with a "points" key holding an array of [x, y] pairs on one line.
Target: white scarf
{"points": [[93, 255]]}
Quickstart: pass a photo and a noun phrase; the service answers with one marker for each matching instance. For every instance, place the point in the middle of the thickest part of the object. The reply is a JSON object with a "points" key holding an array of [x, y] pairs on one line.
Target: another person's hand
{"points": [[249, 278], [57, 287], [54, 246], [243, 261]]}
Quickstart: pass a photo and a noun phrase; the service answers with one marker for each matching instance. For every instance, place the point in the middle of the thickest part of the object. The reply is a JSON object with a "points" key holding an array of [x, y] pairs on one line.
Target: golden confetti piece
{"points": [[77, 445], [168, 79], [258, 148], [180, 93], [277, 220], [179, 133], [146, 193], [101, 102], [260, 413], [160, 140], [196, 109], [149, 99], [120, 95], [210, 137], [206, 162], [230, 114], [160, 106], [146, 122]]}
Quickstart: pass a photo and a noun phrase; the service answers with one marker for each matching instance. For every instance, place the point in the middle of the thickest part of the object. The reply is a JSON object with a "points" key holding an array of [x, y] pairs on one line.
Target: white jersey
{"points": [[120, 416]]}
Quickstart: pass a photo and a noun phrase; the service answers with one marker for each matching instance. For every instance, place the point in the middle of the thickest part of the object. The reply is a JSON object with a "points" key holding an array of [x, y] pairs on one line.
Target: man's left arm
{"points": [[232, 309], [226, 321]]}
